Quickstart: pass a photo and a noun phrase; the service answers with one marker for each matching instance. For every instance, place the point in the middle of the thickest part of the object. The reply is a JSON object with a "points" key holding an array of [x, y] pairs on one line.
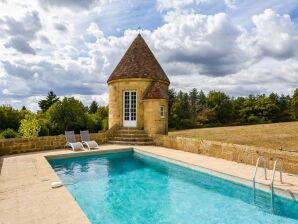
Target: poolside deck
{"points": [[26, 195]]}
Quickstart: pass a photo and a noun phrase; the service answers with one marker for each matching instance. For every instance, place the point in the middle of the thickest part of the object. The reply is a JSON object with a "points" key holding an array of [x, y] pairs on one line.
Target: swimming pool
{"points": [[132, 188]]}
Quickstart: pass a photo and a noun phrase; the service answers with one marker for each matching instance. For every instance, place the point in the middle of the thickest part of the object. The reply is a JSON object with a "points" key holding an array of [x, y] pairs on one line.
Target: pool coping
{"points": [[247, 182]]}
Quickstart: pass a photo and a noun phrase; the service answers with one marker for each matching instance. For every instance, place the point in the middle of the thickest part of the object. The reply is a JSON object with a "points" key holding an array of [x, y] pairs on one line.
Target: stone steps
{"points": [[131, 136], [131, 139], [130, 143]]}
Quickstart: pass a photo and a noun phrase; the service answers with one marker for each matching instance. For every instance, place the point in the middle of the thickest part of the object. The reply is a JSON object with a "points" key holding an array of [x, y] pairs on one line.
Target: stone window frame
{"points": [[162, 111]]}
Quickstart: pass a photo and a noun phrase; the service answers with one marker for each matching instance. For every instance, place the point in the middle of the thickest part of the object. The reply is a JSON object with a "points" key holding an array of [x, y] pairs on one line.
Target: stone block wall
{"points": [[233, 152], [153, 123], [21, 145]]}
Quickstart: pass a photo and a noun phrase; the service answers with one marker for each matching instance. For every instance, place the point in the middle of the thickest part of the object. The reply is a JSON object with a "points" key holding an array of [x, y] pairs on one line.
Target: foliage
{"points": [[10, 118], [103, 112], [219, 103], [195, 109], [294, 105], [186, 110], [30, 126], [43, 120], [48, 102], [105, 124], [93, 107], [68, 114], [9, 133]]}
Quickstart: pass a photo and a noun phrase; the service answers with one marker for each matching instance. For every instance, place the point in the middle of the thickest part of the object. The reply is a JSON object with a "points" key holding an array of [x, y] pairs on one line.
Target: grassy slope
{"points": [[276, 136]]}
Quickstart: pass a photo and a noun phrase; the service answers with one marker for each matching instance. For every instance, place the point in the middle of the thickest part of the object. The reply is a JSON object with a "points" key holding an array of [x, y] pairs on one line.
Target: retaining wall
{"points": [[21, 145], [238, 153]]}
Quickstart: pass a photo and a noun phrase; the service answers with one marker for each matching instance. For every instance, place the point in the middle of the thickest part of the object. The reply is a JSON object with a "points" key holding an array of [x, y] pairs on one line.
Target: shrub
{"points": [[9, 133], [29, 126], [105, 124]]}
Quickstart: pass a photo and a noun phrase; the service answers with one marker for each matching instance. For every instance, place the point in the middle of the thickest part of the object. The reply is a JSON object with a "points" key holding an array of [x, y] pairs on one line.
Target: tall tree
{"points": [[48, 102], [201, 100], [221, 105], [294, 104], [93, 107], [68, 114]]}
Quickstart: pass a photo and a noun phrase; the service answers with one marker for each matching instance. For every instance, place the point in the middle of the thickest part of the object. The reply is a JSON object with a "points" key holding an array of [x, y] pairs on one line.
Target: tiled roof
{"points": [[156, 91], [138, 62]]}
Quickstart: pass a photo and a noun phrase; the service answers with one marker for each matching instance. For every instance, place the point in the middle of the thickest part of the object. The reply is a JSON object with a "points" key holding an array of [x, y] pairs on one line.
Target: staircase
{"points": [[130, 136]]}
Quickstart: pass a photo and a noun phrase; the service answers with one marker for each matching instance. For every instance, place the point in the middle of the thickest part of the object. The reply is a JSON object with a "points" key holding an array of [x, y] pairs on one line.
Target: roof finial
{"points": [[140, 29]]}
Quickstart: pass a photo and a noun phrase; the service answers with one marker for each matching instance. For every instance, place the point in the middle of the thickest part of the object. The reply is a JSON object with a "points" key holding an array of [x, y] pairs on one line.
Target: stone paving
{"points": [[26, 195]]}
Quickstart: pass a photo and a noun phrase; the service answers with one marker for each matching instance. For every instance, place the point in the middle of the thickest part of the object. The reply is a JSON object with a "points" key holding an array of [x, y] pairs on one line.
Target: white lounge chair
{"points": [[85, 137], [71, 141]]}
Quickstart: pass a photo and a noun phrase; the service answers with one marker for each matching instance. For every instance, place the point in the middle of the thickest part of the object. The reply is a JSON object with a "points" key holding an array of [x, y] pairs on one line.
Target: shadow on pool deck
{"points": [[1, 164]]}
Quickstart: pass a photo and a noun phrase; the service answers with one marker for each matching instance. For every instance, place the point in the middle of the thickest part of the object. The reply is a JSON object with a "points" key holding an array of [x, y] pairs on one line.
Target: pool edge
{"points": [[247, 182]]}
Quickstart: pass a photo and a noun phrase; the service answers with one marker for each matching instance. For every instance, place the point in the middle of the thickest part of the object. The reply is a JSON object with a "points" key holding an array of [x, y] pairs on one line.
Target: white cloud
{"points": [[73, 55], [275, 34], [208, 42]]}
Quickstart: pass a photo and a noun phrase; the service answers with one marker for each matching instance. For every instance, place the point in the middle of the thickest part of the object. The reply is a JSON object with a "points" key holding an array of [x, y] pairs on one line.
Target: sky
{"points": [[71, 47]]}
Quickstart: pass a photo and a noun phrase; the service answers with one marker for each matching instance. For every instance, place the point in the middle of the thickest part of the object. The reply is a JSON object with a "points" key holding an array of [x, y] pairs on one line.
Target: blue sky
{"points": [[71, 46]]}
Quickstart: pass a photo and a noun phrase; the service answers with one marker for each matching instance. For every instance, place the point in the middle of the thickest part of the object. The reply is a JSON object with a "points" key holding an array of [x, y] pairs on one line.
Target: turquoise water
{"points": [[131, 188]]}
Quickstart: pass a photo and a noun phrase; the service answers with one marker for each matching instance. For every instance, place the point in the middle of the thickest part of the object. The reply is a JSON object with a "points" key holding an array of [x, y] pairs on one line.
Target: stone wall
{"points": [[21, 145], [153, 122], [238, 153]]}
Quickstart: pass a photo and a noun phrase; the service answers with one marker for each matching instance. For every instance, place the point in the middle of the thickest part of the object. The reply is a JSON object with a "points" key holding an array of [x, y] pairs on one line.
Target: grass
{"points": [[282, 136]]}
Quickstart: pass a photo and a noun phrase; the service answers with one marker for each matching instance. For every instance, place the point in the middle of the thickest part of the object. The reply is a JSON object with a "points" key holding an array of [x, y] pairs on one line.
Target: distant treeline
{"points": [[55, 116], [186, 110], [196, 109]]}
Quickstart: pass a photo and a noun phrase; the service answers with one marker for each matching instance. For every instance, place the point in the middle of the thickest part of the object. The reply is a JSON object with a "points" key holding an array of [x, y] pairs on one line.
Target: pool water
{"points": [[132, 188]]}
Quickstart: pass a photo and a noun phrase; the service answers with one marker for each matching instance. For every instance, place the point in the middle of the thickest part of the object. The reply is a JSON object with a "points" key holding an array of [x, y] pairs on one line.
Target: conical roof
{"points": [[156, 91], [138, 62]]}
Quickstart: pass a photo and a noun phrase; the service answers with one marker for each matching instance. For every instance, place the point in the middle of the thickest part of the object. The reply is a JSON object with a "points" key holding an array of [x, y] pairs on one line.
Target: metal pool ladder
{"points": [[265, 177], [273, 173], [256, 169]]}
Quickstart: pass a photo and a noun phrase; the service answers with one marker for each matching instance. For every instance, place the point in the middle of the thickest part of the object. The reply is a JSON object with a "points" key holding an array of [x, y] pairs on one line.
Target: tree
{"points": [[266, 109], [93, 107], [284, 105], [48, 102], [193, 97], [10, 118], [43, 120], [24, 108], [201, 100], [294, 104], [30, 126], [220, 103], [172, 98], [66, 115], [103, 112]]}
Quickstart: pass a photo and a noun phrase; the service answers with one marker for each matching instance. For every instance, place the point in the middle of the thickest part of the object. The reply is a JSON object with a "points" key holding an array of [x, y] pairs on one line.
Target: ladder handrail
{"points": [[257, 166], [274, 169]]}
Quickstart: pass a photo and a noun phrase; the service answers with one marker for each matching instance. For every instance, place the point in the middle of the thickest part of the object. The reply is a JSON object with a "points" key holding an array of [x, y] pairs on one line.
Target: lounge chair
{"points": [[86, 141], [71, 141]]}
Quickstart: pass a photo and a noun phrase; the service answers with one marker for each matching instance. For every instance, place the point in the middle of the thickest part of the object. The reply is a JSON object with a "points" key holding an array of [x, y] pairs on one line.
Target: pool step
{"points": [[131, 136]]}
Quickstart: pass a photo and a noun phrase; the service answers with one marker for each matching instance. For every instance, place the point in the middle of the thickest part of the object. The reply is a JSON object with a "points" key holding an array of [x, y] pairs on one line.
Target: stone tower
{"points": [[138, 91]]}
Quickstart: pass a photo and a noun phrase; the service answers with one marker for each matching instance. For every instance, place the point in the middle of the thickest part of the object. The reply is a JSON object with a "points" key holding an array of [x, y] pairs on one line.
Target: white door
{"points": [[130, 108]]}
